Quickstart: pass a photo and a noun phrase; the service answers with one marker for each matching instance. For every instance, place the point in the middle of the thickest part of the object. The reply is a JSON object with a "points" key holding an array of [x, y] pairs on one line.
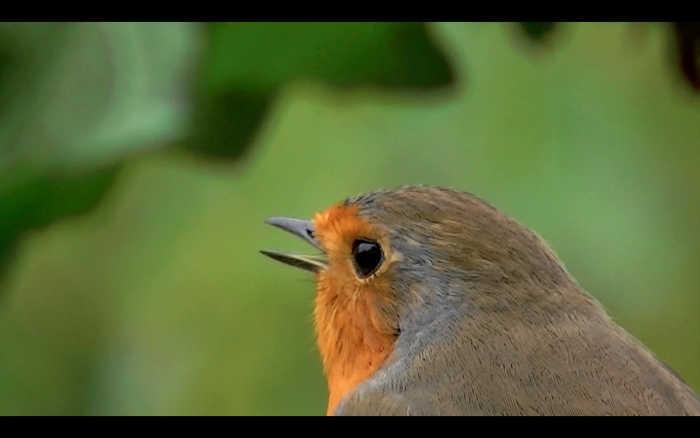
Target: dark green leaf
{"points": [[259, 57], [538, 30], [31, 203], [247, 62], [227, 123], [688, 51]]}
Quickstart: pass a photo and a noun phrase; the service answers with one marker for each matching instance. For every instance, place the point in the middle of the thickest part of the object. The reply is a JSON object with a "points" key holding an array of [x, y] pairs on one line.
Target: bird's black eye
{"points": [[367, 256]]}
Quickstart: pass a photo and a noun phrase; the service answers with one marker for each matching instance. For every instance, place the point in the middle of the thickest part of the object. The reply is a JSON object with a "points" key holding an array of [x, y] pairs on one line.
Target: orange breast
{"points": [[354, 342]]}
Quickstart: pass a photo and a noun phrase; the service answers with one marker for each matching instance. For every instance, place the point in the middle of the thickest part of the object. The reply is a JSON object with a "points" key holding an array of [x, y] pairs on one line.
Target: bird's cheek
{"points": [[335, 286]]}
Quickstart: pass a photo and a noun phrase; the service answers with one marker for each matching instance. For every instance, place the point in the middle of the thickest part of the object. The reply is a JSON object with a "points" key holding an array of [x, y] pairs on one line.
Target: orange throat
{"points": [[355, 318], [352, 341]]}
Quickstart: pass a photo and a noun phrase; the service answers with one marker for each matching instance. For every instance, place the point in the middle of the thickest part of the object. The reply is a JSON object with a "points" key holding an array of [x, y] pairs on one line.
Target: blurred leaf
{"points": [[79, 97], [259, 57], [85, 95], [36, 202], [688, 51], [7, 253], [538, 30], [247, 62], [226, 123]]}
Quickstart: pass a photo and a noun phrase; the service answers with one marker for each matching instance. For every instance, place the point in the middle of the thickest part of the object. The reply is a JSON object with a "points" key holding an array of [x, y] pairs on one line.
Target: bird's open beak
{"points": [[305, 230]]}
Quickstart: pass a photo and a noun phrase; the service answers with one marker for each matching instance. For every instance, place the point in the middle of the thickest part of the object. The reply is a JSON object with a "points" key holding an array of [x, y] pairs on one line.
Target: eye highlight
{"points": [[367, 256]]}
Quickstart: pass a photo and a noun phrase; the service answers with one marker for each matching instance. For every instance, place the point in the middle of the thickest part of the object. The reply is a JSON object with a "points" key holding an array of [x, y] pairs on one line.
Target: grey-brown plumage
{"points": [[489, 322], [511, 334]]}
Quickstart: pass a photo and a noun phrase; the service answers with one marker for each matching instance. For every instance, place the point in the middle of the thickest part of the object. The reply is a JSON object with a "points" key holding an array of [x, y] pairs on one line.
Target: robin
{"points": [[430, 301]]}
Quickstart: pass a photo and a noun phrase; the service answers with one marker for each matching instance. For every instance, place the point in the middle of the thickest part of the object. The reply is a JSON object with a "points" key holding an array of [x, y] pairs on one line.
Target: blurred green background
{"points": [[177, 140]]}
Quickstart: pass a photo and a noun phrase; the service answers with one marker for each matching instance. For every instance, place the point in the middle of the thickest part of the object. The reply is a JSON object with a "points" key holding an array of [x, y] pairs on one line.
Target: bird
{"points": [[431, 302]]}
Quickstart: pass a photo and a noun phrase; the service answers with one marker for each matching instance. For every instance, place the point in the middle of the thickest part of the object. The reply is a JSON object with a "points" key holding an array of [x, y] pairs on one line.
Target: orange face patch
{"points": [[355, 318]]}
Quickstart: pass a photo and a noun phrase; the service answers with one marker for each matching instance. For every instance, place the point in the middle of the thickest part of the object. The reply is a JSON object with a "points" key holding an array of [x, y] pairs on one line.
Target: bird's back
{"points": [[573, 365]]}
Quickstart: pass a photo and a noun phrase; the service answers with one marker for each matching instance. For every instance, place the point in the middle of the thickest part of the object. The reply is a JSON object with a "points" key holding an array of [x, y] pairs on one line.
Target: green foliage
{"points": [[263, 56], [687, 36], [245, 63], [538, 30], [39, 201], [77, 99]]}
